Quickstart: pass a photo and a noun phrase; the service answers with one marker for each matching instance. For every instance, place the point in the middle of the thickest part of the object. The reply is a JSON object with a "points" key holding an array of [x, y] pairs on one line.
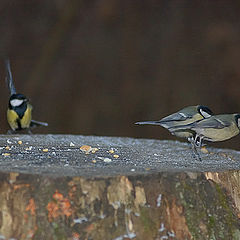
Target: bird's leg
{"points": [[195, 142], [198, 140], [195, 152], [10, 132], [29, 131]]}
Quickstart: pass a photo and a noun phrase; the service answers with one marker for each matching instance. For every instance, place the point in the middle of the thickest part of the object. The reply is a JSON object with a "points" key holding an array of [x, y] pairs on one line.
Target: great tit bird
{"points": [[181, 118], [19, 113], [215, 129]]}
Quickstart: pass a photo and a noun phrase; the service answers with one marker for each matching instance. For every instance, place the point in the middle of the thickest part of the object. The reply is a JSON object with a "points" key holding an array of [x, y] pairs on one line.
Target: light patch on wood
{"points": [[140, 197], [230, 181], [13, 177], [119, 192], [176, 220]]}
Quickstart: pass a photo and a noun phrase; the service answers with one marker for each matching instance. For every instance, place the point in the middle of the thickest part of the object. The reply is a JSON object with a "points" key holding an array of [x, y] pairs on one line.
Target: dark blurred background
{"points": [[96, 67]]}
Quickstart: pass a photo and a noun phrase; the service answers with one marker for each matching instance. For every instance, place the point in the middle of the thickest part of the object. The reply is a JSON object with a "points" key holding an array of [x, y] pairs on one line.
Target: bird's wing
{"points": [[9, 78], [178, 116], [212, 122]]}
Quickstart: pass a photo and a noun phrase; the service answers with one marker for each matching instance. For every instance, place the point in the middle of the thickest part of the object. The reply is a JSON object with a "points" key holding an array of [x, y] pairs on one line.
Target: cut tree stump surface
{"points": [[108, 188], [61, 155]]}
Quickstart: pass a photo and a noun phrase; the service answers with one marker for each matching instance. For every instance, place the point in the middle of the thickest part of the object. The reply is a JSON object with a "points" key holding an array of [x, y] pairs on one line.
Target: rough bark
{"points": [[154, 203]]}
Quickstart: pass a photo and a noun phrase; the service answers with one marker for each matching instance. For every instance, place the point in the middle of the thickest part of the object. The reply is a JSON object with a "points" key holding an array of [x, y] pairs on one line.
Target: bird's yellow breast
{"points": [[27, 117], [13, 118]]}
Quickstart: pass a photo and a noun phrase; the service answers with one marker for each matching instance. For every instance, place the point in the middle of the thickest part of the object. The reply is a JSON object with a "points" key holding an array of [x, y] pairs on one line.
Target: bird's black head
{"points": [[237, 119], [204, 111], [17, 100]]}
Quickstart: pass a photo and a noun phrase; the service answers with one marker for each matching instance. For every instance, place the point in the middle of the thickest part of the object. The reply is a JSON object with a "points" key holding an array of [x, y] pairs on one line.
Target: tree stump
{"points": [[88, 187]]}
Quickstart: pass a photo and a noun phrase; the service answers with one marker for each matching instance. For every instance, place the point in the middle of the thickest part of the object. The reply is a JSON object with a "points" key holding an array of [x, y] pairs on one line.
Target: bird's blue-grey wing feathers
{"points": [[212, 123], [179, 116]]}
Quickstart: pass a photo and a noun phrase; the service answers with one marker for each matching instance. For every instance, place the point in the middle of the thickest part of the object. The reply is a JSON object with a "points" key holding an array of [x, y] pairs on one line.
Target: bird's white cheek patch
{"points": [[205, 114], [16, 102], [239, 123]]}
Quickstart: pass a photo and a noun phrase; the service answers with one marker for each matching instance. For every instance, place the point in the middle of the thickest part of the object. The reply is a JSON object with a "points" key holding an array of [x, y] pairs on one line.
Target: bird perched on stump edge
{"points": [[175, 122], [217, 128], [19, 113]]}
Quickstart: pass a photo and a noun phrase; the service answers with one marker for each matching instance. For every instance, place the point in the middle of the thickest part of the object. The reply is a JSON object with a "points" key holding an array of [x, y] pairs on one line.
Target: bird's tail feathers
{"points": [[149, 123], [9, 78], [35, 123]]}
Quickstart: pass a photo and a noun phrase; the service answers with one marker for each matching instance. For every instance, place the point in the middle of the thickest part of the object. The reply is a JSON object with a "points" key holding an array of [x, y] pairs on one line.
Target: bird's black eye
{"points": [[205, 111]]}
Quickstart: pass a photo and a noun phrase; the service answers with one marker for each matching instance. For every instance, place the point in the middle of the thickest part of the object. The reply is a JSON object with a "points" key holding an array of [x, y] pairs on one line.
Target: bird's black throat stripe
{"points": [[20, 110], [19, 124]]}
